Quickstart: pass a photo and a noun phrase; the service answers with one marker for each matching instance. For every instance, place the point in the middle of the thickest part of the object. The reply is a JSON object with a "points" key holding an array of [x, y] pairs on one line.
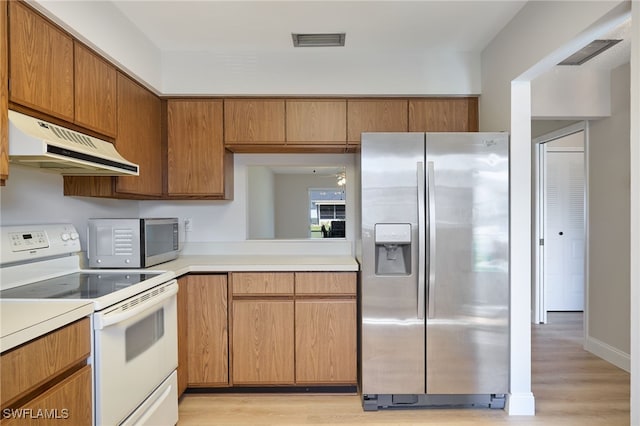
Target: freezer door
{"points": [[467, 263], [392, 338]]}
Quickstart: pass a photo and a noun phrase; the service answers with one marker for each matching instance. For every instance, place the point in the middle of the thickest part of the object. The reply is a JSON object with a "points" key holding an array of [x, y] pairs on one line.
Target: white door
{"points": [[564, 231]]}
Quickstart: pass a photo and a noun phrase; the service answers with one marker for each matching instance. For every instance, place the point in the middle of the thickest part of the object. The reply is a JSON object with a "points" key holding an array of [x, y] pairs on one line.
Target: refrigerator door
{"points": [[467, 263], [393, 335]]}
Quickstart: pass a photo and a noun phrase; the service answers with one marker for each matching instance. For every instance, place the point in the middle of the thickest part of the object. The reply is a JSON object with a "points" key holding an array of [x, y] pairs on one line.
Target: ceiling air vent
{"points": [[590, 51], [318, 40]]}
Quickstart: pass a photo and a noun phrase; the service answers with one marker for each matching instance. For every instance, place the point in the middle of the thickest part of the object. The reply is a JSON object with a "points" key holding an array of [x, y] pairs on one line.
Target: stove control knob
{"points": [[65, 237], [74, 236]]}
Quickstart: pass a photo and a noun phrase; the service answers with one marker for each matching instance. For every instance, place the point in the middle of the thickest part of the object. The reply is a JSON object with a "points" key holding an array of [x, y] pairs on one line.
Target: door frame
{"points": [[538, 297]]}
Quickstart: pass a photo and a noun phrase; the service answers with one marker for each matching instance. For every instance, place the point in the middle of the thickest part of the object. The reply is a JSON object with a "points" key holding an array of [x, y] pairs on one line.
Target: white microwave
{"points": [[131, 243]]}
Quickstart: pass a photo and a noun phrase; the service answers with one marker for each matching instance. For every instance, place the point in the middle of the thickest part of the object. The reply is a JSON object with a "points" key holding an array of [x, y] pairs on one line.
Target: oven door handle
{"points": [[107, 319]]}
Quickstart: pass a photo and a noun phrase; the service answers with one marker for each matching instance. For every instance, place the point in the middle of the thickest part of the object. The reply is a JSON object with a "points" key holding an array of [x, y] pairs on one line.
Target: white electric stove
{"points": [[134, 330]]}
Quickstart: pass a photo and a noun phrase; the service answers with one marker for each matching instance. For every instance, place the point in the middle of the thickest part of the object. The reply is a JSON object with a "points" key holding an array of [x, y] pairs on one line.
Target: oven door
{"points": [[135, 351]]}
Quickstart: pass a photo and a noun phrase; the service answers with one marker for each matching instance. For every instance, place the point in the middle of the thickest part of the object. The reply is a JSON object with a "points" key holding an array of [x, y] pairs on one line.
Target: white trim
{"points": [[585, 317], [560, 133], [520, 404], [608, 353], [539, 302], [520, 226], [635, 213]]}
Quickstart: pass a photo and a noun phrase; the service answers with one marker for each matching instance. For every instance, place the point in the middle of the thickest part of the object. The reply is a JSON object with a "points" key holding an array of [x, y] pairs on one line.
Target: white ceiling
{"points": [[267, 25]]}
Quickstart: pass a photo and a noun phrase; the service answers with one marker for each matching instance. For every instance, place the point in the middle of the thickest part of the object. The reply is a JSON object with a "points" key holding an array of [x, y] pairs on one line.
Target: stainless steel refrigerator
{"points": [[435, 269]]}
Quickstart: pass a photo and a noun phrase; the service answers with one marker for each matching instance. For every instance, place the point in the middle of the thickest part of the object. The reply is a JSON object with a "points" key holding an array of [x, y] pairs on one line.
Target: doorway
{"points": [[560, 225]]}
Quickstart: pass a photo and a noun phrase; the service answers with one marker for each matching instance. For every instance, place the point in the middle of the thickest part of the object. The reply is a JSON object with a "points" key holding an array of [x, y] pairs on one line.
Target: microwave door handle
{"points": [[105, 320]]}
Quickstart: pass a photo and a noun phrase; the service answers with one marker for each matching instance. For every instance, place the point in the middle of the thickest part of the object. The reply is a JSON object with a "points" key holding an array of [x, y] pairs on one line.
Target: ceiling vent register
{"points": [[318, 40], [590, 51]]}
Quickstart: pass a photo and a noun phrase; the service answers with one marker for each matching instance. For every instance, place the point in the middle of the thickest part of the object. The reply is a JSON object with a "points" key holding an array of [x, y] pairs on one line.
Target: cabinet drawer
{"points": [[33, 364], [260, 283], [326, 283], [67, 402]]}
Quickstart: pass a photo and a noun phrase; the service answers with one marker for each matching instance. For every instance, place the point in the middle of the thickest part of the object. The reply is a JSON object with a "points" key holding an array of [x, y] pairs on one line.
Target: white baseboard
{"points": [[608, 353], [520, 404]]}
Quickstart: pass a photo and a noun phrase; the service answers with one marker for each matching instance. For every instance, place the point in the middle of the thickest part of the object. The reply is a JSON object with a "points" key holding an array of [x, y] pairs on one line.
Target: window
{"points": [[327, 213]]}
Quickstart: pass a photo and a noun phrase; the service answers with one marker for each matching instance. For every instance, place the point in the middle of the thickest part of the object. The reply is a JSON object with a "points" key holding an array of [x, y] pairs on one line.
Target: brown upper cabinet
{"points": [[139, 138], [95, 92], [254, 121], [443, 115], [375, 115], [41, 63], [316, 121], [139, 128], [198, 164], [4, 94], [52, 73]]}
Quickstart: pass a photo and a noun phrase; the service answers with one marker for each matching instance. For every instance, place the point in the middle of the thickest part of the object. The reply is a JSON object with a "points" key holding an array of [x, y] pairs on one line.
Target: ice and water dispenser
{"points": [[393, 248]]}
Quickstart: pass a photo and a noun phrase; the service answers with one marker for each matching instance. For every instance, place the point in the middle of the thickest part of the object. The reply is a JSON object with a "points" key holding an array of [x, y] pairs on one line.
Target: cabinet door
{"points": [[262, 344], [253, 121], [443, 115], [4, 94], [207, 335], [183, 332], [70, 400], [139, 137], [95, 91], [41, 63], [196, 154], [316, 122], [376, 115], [326, 341], [26, 367]]}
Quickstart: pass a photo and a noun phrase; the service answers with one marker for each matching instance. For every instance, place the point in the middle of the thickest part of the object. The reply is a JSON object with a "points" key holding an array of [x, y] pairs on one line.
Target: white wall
{"points": [[103, 27], [377, 72], [33, 196], [260, 189], [608, 326], [539, 36], [571, 92], [292, 202]]}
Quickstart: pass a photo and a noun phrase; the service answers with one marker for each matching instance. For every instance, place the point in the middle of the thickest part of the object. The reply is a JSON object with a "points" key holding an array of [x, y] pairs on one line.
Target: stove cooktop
{"points": [[78, 285]]}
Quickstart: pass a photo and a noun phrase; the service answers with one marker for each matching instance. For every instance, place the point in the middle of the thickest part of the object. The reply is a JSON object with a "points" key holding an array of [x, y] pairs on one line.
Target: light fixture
{"points": [[590, 51], [318, 39], [341, 178]]}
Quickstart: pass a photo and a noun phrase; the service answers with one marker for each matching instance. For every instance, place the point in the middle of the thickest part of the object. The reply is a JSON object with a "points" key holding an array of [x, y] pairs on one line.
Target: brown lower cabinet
{"points": [[267, 329], [203, 359], [305, 335], [326, 341], [263, 348], [49, 375]]}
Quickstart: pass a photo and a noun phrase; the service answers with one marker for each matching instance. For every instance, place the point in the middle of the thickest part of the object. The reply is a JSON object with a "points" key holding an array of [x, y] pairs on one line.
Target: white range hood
{"points": [[38, 143]]}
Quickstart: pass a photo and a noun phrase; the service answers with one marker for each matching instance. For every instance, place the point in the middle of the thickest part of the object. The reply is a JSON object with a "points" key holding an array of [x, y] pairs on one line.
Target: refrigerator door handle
{"points": [[431, 286], [421, 239]]}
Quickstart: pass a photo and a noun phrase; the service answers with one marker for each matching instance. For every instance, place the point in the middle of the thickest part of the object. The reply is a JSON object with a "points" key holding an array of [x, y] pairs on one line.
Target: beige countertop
{"points": [[266, 263], [23, 320]]}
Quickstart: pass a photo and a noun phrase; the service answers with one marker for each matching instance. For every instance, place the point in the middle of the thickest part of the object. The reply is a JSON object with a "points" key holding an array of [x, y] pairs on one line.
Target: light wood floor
{"points": [[571, 387]]}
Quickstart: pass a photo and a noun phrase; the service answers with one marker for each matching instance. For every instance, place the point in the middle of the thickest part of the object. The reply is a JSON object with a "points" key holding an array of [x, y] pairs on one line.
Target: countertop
{"points": [[23, 320], [265, 263]]}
